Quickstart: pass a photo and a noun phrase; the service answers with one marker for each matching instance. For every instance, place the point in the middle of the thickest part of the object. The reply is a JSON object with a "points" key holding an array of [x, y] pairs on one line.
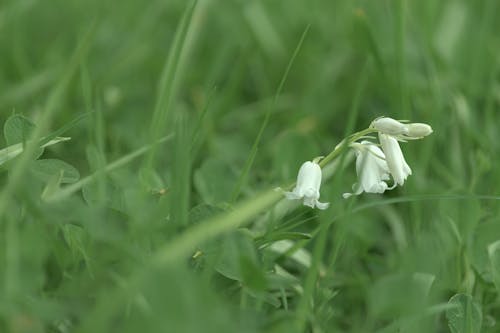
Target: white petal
{"points": [[378, 187], [371, 169], [322, 205], [294, 195], [309, 201], [398, 167]]}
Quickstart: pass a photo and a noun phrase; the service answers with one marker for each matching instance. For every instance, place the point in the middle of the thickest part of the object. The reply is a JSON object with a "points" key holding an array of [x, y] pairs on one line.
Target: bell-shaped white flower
{"points": [[371, 168], [389, 126], [308, 185], [398, 167]]}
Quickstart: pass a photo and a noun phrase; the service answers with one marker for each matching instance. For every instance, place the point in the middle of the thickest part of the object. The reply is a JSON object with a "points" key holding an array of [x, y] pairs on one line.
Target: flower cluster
{"points": [[376, 163]]}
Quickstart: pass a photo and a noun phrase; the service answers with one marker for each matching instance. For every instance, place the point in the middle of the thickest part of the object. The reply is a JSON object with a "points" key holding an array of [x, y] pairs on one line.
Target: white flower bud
{"points": [[418, 130], [389, 126]]}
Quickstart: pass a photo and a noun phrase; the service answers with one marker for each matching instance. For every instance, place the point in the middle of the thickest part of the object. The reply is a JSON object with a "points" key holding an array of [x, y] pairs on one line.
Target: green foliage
{"points": [[17, 129], [161, 214], [465, 316], [48, 168]]}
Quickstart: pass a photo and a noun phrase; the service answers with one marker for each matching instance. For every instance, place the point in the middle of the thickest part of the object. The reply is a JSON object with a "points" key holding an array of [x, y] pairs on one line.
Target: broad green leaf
{"points": [[465, 316], [53, 184], [494, 255], [17, 129], [47, 168]]}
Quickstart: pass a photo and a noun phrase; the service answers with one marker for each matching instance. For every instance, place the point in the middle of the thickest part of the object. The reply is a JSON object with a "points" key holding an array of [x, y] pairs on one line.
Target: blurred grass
{"points": [[154, 240]]}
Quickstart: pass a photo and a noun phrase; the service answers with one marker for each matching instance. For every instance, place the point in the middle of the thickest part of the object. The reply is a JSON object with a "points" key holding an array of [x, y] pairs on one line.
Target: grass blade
{"points": [[255, 146], [169, 80]]}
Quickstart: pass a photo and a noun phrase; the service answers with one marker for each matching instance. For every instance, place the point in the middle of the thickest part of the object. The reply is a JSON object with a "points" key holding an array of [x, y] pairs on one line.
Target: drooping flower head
{"points": [[374, 166], [371, 168], [308, 185]]}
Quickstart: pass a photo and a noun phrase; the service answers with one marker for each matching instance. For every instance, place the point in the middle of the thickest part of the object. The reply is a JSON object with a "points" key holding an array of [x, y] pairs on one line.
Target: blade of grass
{"points": [[255, 146], [54, 102], [181, 172], [199, 122], [66, 127], [68, 190], [168, 81], [95, 151]]}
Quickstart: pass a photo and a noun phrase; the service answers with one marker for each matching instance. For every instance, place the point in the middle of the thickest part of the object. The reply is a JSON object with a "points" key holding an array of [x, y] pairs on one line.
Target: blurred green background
{"points": [[211, 75]]}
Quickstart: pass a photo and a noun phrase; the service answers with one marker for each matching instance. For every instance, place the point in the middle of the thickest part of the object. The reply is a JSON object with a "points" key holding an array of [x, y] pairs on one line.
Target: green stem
{"points": [[345, 144]]}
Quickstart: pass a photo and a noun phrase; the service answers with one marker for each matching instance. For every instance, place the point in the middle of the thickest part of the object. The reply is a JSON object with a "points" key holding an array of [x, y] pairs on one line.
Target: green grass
{"points": [[161, 215]]}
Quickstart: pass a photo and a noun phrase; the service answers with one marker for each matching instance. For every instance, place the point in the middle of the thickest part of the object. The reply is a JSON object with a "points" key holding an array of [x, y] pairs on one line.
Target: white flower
{"points": [[371, 168], [308, 185], [398, 167], [389, 126]]}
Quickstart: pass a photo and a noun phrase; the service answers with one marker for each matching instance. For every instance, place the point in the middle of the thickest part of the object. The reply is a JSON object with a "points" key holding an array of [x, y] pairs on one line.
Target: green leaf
{"points": [[17, 129], [46, 169], [494, 256], [465, 316]]}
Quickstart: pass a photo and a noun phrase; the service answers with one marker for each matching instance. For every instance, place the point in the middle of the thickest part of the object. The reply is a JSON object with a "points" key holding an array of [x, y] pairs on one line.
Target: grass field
{"points": [[144, 141]]}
